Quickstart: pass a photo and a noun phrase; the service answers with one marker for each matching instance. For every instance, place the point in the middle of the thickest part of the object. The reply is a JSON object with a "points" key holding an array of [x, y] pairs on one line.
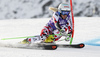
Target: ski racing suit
{"points": [[51, 31], [54, 26]]}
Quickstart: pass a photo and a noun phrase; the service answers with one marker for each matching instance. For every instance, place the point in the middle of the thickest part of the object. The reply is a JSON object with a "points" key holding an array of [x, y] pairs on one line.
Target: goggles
{"points": [[65, 12]]}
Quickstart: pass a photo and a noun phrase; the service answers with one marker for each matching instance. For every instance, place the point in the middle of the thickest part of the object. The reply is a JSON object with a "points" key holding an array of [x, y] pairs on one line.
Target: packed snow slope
{"points": [[86, 31]]}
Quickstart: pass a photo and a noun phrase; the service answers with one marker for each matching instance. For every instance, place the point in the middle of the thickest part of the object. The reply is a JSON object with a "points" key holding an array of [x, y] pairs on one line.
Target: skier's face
{"points": [[64, 16]]}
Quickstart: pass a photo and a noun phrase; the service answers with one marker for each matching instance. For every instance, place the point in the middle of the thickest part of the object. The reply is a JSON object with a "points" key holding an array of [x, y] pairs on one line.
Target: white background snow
{"points": [[85, 29], [23, 9], [24, 18]]}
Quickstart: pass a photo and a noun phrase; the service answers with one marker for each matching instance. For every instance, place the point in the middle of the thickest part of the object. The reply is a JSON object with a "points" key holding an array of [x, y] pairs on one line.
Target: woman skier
{"points": [[59, 24]]}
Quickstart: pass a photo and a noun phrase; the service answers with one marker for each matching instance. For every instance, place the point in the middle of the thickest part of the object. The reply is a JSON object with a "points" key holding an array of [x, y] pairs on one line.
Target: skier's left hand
{"points": [[62, 31]]}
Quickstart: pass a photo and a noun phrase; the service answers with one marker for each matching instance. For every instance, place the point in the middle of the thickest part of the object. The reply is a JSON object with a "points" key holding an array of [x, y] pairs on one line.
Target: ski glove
{"points": [[62, 31], [68, 38]]}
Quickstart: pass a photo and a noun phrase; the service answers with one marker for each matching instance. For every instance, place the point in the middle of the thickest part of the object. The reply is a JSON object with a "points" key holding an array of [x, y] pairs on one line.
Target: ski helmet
{"points": [[64, 9]]}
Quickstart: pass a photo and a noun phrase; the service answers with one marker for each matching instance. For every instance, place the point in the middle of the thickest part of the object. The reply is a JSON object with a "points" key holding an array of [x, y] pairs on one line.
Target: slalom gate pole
{"points": [[72, 21]]}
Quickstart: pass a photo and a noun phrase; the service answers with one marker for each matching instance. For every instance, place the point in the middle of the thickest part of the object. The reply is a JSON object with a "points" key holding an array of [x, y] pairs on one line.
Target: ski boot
{"points": [[49, 39], [25, 41], [49, 44]]}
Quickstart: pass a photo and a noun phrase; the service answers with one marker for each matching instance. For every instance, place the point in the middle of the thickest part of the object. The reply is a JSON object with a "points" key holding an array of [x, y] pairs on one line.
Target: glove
{"points": [[68, 38], [62, 31]]}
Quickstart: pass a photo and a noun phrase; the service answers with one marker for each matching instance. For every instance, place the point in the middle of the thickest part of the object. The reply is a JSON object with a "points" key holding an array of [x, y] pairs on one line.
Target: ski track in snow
{"points": [[86, 29]]}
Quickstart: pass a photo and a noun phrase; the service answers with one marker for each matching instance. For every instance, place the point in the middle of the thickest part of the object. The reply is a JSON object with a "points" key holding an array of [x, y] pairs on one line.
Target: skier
{"points": [[56, 27]]}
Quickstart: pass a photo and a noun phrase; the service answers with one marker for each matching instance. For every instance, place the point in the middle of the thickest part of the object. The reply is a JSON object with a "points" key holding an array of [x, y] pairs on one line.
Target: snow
{"points": [[21, 9], [86, 29]]}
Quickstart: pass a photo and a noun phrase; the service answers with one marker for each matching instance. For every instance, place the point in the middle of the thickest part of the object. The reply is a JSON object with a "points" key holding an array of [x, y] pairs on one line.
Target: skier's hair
{"points": [[53, 9]]}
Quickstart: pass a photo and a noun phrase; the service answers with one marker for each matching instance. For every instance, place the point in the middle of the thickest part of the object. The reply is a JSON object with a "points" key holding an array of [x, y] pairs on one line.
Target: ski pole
{"points": [[22, 37], [16, 38]]}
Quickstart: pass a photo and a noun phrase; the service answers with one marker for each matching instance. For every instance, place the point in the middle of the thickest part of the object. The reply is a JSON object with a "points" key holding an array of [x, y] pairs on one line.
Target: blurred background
{"points": [[23, 9]]}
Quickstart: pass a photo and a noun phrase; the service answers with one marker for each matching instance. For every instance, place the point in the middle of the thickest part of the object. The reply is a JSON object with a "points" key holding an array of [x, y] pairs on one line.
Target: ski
{"points": [[43, 46], [48, 46], [81, 45], [51, 46]]}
